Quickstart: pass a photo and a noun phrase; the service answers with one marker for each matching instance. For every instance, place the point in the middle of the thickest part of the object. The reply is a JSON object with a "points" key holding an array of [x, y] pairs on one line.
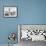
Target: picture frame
{"points": [[10, 11]]}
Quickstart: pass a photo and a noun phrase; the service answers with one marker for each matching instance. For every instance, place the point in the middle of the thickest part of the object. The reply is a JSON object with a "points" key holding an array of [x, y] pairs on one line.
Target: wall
{"points": [[7, 25], [29, 12]]}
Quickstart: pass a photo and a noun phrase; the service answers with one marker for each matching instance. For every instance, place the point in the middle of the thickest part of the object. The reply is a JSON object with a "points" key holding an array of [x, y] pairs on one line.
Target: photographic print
{"points": [[10, 11]]}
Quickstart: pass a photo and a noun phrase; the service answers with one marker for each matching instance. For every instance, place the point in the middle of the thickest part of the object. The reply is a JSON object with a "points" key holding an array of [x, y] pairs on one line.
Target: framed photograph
{"points": [[10, 11]]}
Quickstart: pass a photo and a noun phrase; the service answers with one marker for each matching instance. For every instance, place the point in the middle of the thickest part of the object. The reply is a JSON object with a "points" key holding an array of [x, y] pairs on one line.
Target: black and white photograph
{"points": [[10, 11]]}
